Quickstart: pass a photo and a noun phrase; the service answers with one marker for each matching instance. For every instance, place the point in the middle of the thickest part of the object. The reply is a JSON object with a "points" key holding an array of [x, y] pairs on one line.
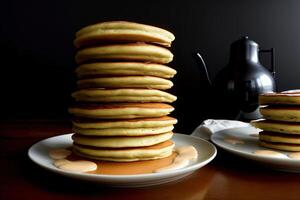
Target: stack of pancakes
{"points": [[121, 107], [281, 126]]}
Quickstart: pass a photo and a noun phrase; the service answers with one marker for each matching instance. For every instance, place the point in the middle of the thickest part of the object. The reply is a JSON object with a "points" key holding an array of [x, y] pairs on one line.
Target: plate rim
{"points": [[190, 168], [250, 155]]}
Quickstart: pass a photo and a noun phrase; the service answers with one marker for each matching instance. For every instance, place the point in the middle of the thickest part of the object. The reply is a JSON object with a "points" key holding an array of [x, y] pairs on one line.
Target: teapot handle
{"points": [[272, 52]]}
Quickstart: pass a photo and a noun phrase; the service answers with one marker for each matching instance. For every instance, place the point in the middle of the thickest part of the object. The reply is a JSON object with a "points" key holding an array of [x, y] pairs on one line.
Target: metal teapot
{"points": [[238, 85]]}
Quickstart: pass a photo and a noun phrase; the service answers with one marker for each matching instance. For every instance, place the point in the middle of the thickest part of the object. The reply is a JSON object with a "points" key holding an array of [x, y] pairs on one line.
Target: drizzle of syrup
{"points": [[269, 153], [127, 168], [234, 141], [294, 155], [186, 155], [180, 158]]}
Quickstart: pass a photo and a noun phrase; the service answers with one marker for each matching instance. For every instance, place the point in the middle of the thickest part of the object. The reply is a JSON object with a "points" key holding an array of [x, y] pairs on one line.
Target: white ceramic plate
{"points": [[38, 153], [250, 145]]}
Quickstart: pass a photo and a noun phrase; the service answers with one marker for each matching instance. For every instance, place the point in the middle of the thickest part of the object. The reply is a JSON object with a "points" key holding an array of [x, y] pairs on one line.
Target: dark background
{"points": [[37, 54]]}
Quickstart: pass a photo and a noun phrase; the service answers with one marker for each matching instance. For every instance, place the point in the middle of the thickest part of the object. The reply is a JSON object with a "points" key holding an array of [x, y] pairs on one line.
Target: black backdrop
{"points": [[37, 55]]}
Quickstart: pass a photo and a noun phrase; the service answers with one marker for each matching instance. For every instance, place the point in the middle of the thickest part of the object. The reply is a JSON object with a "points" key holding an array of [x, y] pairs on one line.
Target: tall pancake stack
{"points": [[121, 107], [281, 126]]}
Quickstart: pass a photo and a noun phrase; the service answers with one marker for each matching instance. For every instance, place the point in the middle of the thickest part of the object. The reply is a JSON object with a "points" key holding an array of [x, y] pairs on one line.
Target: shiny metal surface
{"points": [[238, 85]]}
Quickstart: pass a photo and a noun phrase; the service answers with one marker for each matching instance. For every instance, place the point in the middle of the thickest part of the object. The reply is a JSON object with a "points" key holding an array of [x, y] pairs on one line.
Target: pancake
{"points": [[160, 150], [279, 137], [292, 98], [121, 142], [121, 110], [122, 95], [128, 123], [289, 114], [126, 82], [122, 131], [124, 69], [280, 146], [121, 159], [129, 52], [120, 31], [277, 126]]}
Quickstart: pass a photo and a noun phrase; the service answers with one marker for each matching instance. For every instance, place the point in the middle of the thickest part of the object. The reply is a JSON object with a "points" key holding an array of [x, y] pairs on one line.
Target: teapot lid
{"points": [[244, 49], [244, 42]]}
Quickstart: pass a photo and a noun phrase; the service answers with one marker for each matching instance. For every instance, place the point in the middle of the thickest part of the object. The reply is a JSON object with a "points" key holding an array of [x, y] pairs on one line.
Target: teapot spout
{"points": [[202, 64]]}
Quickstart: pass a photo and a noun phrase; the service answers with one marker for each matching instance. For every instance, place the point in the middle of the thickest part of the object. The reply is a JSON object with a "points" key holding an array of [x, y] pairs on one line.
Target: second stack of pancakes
{"points": [[121, 107], [281, 126]]}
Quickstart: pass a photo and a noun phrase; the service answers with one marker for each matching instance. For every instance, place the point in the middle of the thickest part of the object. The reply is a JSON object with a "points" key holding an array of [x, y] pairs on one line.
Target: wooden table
{"points": [[227, 177]]}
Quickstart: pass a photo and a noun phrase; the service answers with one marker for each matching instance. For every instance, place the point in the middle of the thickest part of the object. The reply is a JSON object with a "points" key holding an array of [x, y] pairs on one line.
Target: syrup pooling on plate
{"points": [[269, 153], [114, 168], [185, 155], [60, 162], [234, 141], [78, 166], [59, 153], [132, 168], [181, 157], [294, 155]]}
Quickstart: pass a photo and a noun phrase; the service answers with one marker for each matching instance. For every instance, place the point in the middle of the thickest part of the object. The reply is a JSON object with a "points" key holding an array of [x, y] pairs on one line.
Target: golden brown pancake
{"points": [[121, 141], [154, 122], [126, 82], [122, 131], [280, 146], [124, 69], [121, 110], [122, 31], [279, 137], [122, 95], [281, 141], [119, 113], [292, 98], [277, 126], [126, 154], [283, 113], [127, 52]]}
